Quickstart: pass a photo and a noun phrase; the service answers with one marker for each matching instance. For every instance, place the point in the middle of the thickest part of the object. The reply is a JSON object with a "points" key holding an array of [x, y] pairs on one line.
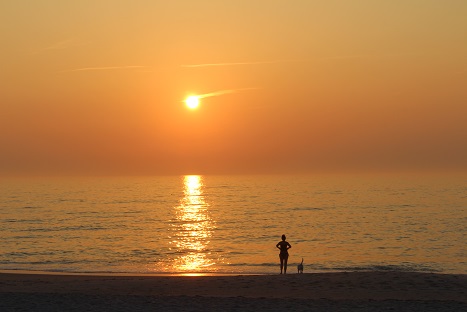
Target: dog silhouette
{"points": [[300, 267]]}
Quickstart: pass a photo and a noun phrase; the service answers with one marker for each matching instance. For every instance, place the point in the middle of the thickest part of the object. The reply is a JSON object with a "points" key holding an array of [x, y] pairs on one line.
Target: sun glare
{"points": [[192, 101]]}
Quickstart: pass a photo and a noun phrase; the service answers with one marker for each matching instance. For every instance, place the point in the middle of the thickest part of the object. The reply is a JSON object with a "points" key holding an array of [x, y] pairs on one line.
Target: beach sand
{"points": [[341, 291]]}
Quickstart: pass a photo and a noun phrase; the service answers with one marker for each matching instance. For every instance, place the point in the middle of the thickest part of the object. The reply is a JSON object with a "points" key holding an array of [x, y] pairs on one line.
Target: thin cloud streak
{"points": [[337, 57], [102, 68], [61, 45], [239, 63], [223, 92], [363, 56]]}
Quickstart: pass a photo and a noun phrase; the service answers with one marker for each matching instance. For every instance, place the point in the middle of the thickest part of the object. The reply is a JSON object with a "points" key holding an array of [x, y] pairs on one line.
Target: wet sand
{"points": [[343, 291]]}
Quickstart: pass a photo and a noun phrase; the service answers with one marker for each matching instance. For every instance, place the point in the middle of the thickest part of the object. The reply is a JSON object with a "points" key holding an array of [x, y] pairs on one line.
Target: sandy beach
{"points": [[342, 291]]}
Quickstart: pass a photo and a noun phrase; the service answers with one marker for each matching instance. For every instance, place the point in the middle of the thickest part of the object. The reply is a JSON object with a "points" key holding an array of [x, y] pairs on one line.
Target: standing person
{"points": [[283, 246]]}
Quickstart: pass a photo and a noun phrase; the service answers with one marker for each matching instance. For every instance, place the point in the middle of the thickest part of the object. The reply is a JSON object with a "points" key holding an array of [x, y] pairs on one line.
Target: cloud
{"points": [[61, 45], [239, 63], [336, 57], [222, 92], [102, 68], [365, 56]]}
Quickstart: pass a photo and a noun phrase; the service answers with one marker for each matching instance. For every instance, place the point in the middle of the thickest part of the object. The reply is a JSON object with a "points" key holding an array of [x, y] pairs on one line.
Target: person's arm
{"points": [[289, 246], [278, 245]]}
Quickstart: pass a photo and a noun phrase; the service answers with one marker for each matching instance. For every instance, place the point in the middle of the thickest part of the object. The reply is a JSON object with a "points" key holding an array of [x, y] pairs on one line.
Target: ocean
{"points": [[230, 224]]}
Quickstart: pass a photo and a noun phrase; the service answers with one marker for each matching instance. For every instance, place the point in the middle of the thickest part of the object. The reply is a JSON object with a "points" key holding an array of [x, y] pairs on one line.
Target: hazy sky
{"points": [[96, 86]]}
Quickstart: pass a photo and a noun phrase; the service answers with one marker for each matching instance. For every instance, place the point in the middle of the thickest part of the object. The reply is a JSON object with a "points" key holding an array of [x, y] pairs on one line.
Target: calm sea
{"points": [[231, 224]]}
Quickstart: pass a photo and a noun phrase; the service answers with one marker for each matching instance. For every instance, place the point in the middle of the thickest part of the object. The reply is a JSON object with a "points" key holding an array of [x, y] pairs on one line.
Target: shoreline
{"points": [[124, 274], [260, 292], [201, 274]]}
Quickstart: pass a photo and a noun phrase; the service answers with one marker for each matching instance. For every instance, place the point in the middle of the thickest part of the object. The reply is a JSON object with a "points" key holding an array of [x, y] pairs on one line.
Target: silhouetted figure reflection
{"points": [[283, 246]]}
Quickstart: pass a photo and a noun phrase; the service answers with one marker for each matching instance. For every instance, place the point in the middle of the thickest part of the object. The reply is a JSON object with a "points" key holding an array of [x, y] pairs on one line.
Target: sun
{"points": [[192, 101]]}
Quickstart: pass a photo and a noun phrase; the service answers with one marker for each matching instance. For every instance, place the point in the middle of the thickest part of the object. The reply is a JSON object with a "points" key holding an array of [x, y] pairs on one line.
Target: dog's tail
{"points": [[302, 261]]}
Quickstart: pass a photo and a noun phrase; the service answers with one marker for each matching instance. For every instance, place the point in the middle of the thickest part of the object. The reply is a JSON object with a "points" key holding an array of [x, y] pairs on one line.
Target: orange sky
{"points": [[306, 86]]}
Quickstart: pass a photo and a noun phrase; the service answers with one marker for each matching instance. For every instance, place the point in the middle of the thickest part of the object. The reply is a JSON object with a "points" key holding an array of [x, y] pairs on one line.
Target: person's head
{"points": [[283, 237]]}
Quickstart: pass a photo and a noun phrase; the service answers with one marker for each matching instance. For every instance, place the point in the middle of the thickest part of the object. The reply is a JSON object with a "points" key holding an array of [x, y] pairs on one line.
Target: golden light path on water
{"points": [[193, 229]]}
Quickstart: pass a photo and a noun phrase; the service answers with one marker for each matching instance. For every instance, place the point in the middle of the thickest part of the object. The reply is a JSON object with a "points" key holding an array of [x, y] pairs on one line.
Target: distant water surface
{"points": [[230, 224]]}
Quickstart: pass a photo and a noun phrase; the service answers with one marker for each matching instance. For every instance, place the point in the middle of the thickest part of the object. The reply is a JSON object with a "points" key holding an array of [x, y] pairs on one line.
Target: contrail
{"points": [[222, 92], [239, 63], [102, 68], [337, 57], [61, 45]]}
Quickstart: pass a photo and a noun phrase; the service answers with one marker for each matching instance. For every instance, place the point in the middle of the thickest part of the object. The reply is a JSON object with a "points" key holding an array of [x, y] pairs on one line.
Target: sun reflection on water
{"points": [[192, 229]]}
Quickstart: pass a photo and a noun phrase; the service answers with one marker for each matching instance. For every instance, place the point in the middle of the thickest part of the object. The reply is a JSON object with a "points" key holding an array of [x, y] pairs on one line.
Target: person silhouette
{"points": [[283, 246]]}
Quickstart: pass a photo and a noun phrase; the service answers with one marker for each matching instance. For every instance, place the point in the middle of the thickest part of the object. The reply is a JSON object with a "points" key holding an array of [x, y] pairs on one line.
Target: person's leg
{"points": [[285, 264], [282, 263]]}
